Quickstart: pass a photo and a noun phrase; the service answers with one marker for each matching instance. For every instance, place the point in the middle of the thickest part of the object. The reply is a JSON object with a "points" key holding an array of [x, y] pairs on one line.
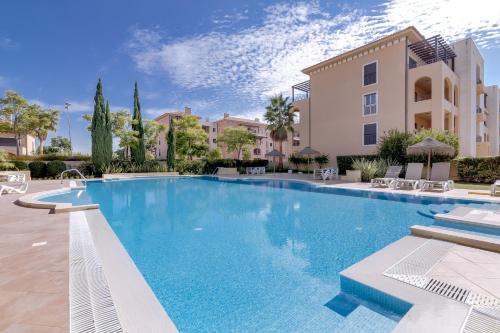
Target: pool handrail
{"points": [[73, 170]]}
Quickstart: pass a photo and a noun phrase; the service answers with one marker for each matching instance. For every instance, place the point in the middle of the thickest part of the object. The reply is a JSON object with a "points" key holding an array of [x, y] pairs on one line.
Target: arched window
{"points": [[423, 89], [447, 89]]}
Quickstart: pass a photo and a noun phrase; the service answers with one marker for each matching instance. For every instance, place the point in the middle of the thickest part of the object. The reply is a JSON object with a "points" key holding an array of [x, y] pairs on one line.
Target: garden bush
{"points": [[87, 169], [479, 169], [38, 169], [187, 167], [345, 162], [51, 157], [54, 168], [367, 167], [321, 160], [392, 145], [20, 165]]}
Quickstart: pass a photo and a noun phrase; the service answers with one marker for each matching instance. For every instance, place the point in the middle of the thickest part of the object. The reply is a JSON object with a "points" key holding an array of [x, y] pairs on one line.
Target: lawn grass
{"points": [[473, 186]]}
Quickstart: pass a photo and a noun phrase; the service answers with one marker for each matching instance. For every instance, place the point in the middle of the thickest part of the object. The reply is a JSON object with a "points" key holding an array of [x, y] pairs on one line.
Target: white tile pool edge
{"points": [[137, 307]]}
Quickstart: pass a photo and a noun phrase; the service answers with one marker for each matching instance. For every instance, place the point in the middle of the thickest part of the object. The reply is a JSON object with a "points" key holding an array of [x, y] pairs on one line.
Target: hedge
{"points": [[345, 162], [479, 169], [210, 166], [54, 168], [20, 165], [38, 169], [51, 157]]}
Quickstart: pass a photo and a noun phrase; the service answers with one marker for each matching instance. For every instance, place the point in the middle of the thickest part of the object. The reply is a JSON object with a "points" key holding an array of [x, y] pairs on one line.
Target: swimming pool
{"points": [[254, 255]]}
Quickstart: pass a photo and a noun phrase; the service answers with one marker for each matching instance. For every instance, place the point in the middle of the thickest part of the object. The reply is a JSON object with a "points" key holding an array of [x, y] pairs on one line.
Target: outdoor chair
{"points": [[412, 178], [439, 178], [391, 175]]}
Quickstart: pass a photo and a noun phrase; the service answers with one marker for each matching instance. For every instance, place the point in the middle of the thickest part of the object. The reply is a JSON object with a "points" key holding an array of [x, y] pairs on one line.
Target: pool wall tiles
{"points": [[370, 294]]}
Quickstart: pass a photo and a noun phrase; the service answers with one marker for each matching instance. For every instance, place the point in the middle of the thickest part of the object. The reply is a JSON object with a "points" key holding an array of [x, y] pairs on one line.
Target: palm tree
{"points": [[279, 116], [43, 122]]}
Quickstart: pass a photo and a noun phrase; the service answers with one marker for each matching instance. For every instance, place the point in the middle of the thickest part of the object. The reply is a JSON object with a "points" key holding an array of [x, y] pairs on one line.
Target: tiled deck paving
{"points": [[33, 279]]}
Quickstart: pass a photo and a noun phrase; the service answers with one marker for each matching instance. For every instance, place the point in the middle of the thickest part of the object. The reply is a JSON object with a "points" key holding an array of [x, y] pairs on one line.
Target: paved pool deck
{"points": [[33, 266]]}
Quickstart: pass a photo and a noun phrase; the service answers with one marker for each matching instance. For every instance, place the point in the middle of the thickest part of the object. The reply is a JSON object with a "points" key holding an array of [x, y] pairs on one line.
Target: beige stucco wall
{"points": [[493, 119], [336, 101]]}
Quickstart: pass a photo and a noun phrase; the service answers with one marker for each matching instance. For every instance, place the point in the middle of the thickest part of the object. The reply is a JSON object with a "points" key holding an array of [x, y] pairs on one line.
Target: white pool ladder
{"points": [[78, 172]]}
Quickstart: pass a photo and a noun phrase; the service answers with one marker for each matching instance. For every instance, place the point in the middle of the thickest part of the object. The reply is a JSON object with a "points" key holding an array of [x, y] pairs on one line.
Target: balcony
{"points": [[432, 50], [480, 114], [300, 91]]}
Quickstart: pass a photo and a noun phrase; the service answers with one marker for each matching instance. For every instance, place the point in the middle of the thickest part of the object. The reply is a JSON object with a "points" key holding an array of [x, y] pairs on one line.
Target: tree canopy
{"points": [[191, 139], [236, 138]]}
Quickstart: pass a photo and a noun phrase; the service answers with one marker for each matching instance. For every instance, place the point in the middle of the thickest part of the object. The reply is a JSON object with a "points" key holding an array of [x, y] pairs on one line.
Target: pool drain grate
{"points": [[91, 306], [484, 315]]}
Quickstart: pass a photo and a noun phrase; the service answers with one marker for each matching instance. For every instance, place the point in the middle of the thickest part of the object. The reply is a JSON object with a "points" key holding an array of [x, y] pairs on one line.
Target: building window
{"points": [[370, 74], [296, 143], [213, 129], [369, 104], [369, 134], [412, 63], [214, 140], [256, 151], [270, 144]]}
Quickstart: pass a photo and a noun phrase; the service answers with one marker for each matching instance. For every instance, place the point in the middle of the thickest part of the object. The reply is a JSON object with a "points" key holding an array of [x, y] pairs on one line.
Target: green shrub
{"points": [[4, 164], [321, 160], [187, 167], [51, 157], [210, 165], [442, 136], [479, 170], [367, 167], [20, 165], [38, 169], [87, 169], [54, 168], [345, 162], [392, 145]]}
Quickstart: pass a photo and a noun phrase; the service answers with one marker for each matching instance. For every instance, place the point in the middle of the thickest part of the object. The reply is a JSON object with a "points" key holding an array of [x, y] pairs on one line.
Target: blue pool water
{"points": [[255, 256]]}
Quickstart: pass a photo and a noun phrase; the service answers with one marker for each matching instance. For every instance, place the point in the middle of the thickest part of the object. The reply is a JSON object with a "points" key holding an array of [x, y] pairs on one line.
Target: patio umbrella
{"points": [[430, 146], [274, 153], [308, 151]]}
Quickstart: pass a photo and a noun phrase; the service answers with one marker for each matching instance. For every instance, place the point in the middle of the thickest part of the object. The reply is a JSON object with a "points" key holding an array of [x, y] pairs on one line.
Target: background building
{"points": [[403, 81], [263, 144], [8, 142]]}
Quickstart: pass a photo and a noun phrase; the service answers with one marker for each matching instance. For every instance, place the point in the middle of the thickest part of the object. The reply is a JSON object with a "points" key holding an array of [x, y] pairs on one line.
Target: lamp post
{"points": [[66, 106]]}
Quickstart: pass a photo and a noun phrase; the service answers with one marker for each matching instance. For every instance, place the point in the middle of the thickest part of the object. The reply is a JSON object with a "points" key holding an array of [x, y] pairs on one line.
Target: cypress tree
{"points": [[108, 136], [138, 153], [171, 146], [98, 129]]}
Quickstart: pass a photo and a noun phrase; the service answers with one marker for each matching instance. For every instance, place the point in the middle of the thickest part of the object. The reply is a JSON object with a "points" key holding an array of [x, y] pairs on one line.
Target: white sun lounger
{"points": [[20, 188], [391, 175], [495, 188], [412, 178], [440, 178], [326, 173]]}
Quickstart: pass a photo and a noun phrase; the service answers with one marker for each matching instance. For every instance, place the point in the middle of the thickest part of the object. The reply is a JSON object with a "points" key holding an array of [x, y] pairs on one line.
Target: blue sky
{"points": [[214, 56]]}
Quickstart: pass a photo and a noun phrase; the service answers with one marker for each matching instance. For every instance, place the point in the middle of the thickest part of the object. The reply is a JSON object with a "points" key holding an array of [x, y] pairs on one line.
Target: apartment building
{"points": [[213, 129], [403, 81], [27, 144]]}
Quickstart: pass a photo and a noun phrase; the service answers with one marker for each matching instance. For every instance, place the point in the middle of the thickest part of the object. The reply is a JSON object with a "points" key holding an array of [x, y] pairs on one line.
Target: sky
{"points": [[213, 56]]}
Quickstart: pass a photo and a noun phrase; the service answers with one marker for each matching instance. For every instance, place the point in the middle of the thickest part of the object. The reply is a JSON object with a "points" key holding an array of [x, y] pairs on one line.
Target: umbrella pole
{"points": [[428, 165]]}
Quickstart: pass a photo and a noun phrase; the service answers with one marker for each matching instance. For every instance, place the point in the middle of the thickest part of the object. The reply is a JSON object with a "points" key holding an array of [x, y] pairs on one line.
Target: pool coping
{"points": [[399, 192], [31, 200], [429, 312], [137, 307]]}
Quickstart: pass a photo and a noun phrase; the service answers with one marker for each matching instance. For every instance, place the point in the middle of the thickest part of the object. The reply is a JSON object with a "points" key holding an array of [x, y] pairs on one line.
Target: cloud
{"points": [[155, 112], [6, 43], [265, 59]]}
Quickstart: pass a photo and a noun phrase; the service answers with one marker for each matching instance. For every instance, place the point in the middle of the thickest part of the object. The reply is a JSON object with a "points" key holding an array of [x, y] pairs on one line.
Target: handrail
{"points": [[72, 170], [215, 171]]}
